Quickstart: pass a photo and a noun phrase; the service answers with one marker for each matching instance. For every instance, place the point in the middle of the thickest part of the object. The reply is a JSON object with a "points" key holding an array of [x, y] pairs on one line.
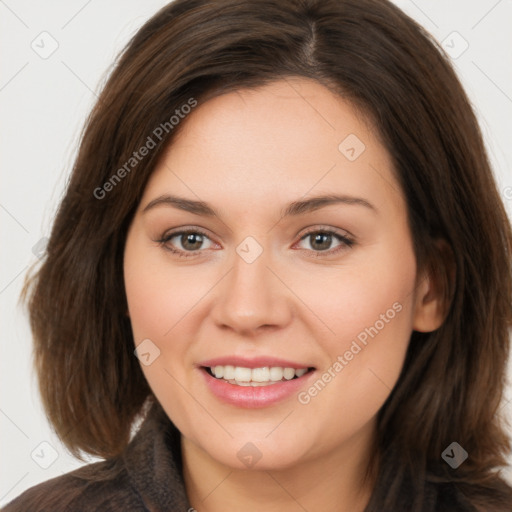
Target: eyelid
{"points": [[182, 231], [347, 239], [326, 229]]}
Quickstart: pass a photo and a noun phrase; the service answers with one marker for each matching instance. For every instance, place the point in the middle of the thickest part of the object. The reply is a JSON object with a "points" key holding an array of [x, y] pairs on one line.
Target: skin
{"points": [[248, 154]]}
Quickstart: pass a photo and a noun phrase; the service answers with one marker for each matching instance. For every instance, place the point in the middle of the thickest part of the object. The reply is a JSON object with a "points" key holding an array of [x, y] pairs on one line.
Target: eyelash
{"points": [[346, 241]]}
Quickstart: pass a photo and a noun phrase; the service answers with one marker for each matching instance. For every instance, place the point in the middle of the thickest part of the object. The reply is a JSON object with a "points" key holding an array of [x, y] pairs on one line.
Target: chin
{"points": [[256, 454]]}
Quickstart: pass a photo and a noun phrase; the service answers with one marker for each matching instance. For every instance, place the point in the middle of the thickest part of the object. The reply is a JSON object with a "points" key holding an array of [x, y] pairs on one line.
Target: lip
{"points": [[254, 362], [257, 397]]}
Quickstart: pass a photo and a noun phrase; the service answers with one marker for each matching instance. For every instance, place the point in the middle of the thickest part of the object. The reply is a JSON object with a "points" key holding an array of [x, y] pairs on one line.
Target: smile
{"points": [[264, 376], [254, 383]]}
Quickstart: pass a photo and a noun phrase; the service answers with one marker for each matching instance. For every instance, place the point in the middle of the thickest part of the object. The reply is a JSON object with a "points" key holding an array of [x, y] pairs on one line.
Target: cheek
{"points": [[370, 313], [375, 292], [163, 302], [159, 295], [158, 300]]}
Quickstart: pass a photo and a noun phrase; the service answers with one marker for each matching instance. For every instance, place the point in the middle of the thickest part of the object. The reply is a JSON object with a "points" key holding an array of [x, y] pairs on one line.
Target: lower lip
{"points": [[254, 397]]}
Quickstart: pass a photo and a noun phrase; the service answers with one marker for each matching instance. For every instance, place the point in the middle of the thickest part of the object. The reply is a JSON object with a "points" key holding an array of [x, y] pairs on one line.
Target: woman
{"points": [[283, 249]]}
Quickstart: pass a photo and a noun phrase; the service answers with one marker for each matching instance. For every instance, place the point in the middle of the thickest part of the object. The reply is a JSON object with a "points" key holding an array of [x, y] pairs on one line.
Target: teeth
{"points": [[289, 373], [255, 376], [243, 374], [260, 374], [276, 373], [229, 372]]}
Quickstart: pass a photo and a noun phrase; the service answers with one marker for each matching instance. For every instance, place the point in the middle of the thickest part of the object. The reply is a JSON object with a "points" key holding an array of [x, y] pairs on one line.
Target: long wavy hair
{"points": [[387, 66]]}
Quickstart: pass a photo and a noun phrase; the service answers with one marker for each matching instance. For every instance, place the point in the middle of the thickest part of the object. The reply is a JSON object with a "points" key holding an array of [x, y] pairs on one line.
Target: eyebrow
{"points": [[293, 209]]}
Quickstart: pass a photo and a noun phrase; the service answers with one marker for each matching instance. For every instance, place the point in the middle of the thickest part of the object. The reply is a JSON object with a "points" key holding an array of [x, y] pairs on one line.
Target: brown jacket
{"points": [[147, 477]]}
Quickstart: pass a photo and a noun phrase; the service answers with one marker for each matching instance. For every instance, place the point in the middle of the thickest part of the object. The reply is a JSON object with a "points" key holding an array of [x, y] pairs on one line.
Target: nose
{"points": [[253, 298]]}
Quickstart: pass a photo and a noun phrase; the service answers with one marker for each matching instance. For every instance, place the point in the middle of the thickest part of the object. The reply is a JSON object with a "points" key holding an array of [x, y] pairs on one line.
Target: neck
{"points": [[334, 482]]}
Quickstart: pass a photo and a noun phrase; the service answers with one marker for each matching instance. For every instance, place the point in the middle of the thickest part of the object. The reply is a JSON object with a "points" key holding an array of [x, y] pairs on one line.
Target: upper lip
{"points": [[253, 362]]}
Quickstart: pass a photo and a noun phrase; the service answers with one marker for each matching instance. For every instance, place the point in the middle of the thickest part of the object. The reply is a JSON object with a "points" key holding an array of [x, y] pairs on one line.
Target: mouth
{"points": [[254, 383], [255, 377]]}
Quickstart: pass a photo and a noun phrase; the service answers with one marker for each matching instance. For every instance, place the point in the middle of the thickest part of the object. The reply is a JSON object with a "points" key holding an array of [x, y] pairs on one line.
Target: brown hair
{"points": [[372, 54]]}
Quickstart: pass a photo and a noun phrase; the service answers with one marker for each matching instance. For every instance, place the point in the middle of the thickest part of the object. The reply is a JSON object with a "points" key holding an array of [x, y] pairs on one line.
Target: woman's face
{"points": [[271, 278]]}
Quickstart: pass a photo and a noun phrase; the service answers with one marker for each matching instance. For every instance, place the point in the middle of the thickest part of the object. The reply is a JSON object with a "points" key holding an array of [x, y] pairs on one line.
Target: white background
{"points": [[43, 104]]}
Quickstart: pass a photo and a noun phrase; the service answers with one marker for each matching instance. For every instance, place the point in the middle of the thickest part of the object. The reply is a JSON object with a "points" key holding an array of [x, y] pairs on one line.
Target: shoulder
{"points": [[147, 475], [102, 485]]}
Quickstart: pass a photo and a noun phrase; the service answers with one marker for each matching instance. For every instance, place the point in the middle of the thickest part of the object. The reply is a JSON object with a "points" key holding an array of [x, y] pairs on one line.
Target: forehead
{"points": [[274, 144]]}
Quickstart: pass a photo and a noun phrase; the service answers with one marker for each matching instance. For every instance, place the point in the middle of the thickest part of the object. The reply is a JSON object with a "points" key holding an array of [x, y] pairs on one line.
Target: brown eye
{"points": [[191, 241], [321, 241], [185, 243]]}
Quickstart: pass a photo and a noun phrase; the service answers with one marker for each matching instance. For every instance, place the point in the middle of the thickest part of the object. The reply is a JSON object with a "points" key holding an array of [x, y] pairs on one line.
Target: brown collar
{"points": [[154, 465]]}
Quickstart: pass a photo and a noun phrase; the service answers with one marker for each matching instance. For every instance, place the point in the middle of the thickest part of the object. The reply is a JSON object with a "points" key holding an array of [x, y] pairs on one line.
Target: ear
{"points": [[434, 289]]}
